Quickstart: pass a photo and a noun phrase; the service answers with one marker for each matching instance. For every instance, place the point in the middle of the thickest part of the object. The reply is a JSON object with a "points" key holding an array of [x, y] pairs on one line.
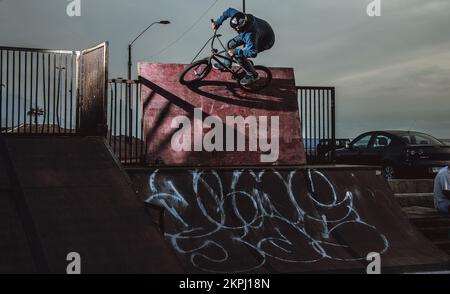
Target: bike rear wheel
{"points": [[265, 78], [195, 72]]}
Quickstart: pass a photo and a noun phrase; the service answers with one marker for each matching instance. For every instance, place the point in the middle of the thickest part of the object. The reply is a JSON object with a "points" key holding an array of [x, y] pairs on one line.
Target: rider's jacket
{"points": [[257, 37]]}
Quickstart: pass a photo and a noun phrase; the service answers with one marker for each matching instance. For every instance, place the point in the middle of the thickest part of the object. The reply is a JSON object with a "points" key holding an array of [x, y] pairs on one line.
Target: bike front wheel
{"points": [[264, 79], [195, 72]]}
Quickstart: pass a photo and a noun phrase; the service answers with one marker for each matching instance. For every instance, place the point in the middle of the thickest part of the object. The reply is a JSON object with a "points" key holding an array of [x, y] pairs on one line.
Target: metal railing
{"points": [[39, 95], [318, 122], [38, 91], [125, 123]]}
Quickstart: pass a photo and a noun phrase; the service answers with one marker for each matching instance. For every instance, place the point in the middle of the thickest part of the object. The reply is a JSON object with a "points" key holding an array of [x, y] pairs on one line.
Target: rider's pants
{"points": [[242, 61]]}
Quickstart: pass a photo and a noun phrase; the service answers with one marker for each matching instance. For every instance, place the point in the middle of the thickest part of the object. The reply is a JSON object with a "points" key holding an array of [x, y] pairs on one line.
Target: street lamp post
{"points": [[130, 64], [130, 46], [243, 6]]}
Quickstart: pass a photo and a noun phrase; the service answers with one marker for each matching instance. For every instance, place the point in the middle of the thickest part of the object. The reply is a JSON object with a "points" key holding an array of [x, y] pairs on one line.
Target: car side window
{"points": [[422, 140], [381, 141], [406, 139], [362, 142]]}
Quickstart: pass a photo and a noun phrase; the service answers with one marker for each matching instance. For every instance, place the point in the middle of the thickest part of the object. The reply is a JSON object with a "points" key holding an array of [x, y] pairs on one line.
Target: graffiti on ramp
{"points": [[247, 220]]}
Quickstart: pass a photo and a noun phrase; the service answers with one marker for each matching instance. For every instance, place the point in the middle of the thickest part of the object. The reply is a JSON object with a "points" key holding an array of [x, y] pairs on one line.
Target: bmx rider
{"points": [[255, 35]]}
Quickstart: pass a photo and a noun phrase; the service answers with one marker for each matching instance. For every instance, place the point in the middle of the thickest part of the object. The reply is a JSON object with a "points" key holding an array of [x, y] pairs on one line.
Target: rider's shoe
{"points": [[249, 79], [219, 66]]}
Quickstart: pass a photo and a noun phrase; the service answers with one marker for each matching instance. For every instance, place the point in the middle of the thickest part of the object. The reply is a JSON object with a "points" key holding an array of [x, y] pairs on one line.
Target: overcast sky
{"points": [[391, 72]]}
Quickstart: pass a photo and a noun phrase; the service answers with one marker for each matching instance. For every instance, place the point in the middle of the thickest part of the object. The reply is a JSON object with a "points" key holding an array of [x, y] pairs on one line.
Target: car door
{"points": [[356, 153], [377, 146]]}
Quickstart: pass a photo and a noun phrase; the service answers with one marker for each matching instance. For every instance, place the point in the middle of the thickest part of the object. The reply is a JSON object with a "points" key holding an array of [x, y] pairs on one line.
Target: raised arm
{"points": [[230, 12]]}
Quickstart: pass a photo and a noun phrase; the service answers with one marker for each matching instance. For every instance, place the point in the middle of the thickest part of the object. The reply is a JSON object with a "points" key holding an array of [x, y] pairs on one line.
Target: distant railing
{"points": [[318, 122], [38, 91], [125, 124]]}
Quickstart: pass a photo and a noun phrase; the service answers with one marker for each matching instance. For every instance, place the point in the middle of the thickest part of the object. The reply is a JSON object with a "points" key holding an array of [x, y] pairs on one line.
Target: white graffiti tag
{"points": [[241, 220]]}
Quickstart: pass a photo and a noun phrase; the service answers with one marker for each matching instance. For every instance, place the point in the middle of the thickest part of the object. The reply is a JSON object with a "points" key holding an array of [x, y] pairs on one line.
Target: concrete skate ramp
{"points": [[62, 195], [285, 220], [218, 96]]}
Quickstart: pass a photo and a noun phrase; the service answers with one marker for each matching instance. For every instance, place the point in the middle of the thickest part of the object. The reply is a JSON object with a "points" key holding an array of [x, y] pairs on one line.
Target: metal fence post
{"points": [[333, 122]]}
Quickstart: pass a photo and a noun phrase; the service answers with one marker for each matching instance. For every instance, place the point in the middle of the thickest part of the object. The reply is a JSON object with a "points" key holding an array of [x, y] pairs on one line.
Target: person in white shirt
{"points": [[442, 190]]}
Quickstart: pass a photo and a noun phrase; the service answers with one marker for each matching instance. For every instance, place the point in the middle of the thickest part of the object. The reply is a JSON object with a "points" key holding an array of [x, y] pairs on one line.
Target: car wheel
{"points": [[389, 172]]}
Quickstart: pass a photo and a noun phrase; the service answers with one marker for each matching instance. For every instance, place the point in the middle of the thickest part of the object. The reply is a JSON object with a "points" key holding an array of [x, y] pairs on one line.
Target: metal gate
{"points": [[37, 91], [92, 87], [53, 91]]}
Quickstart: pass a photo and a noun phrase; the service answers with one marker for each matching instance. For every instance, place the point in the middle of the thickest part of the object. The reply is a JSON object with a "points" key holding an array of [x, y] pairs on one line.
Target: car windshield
{"points": [[420, 139], [363, 141]]}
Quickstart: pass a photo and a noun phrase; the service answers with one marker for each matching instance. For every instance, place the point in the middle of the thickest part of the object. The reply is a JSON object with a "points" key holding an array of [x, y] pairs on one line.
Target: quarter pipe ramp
{"points": [[68, 194]]}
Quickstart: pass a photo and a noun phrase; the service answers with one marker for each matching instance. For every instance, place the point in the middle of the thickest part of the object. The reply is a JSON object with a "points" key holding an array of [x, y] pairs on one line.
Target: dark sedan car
{"points": [[400, 153]]}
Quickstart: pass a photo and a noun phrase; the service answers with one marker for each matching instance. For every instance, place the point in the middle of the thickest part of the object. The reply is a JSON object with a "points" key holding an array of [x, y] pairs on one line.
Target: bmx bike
{"points": [[199, 70]]}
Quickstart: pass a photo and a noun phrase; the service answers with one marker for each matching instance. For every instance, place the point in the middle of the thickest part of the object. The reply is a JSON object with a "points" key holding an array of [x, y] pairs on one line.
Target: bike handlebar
{"points": [[216, 35], [212, 40]]}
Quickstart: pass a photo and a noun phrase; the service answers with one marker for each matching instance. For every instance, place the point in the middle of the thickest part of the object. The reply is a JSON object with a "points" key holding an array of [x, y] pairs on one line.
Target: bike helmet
{"points": [[239, 21]]}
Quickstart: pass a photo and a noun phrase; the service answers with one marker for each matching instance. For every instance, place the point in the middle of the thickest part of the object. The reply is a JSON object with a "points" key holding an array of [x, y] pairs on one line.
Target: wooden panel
{"points": [[165, 99]]}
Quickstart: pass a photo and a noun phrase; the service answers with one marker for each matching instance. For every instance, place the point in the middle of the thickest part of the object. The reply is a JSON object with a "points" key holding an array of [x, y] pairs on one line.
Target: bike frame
{"points": [[218, 56], [222, 58]]}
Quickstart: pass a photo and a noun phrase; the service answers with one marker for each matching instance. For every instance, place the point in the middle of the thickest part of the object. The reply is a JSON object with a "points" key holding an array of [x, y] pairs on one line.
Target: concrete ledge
{"points": [[416, 199], [412, 186]]}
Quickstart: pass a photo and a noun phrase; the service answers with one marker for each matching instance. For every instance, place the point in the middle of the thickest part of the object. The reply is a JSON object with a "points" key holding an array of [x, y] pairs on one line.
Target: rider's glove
{"points": [[214, 25]]}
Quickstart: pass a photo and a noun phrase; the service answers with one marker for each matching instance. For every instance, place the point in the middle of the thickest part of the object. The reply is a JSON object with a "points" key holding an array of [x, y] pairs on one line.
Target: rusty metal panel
{"points": [[4, 179], [284, 220], [93, 86], [74, 197], [164, 99], [16, 254]]}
